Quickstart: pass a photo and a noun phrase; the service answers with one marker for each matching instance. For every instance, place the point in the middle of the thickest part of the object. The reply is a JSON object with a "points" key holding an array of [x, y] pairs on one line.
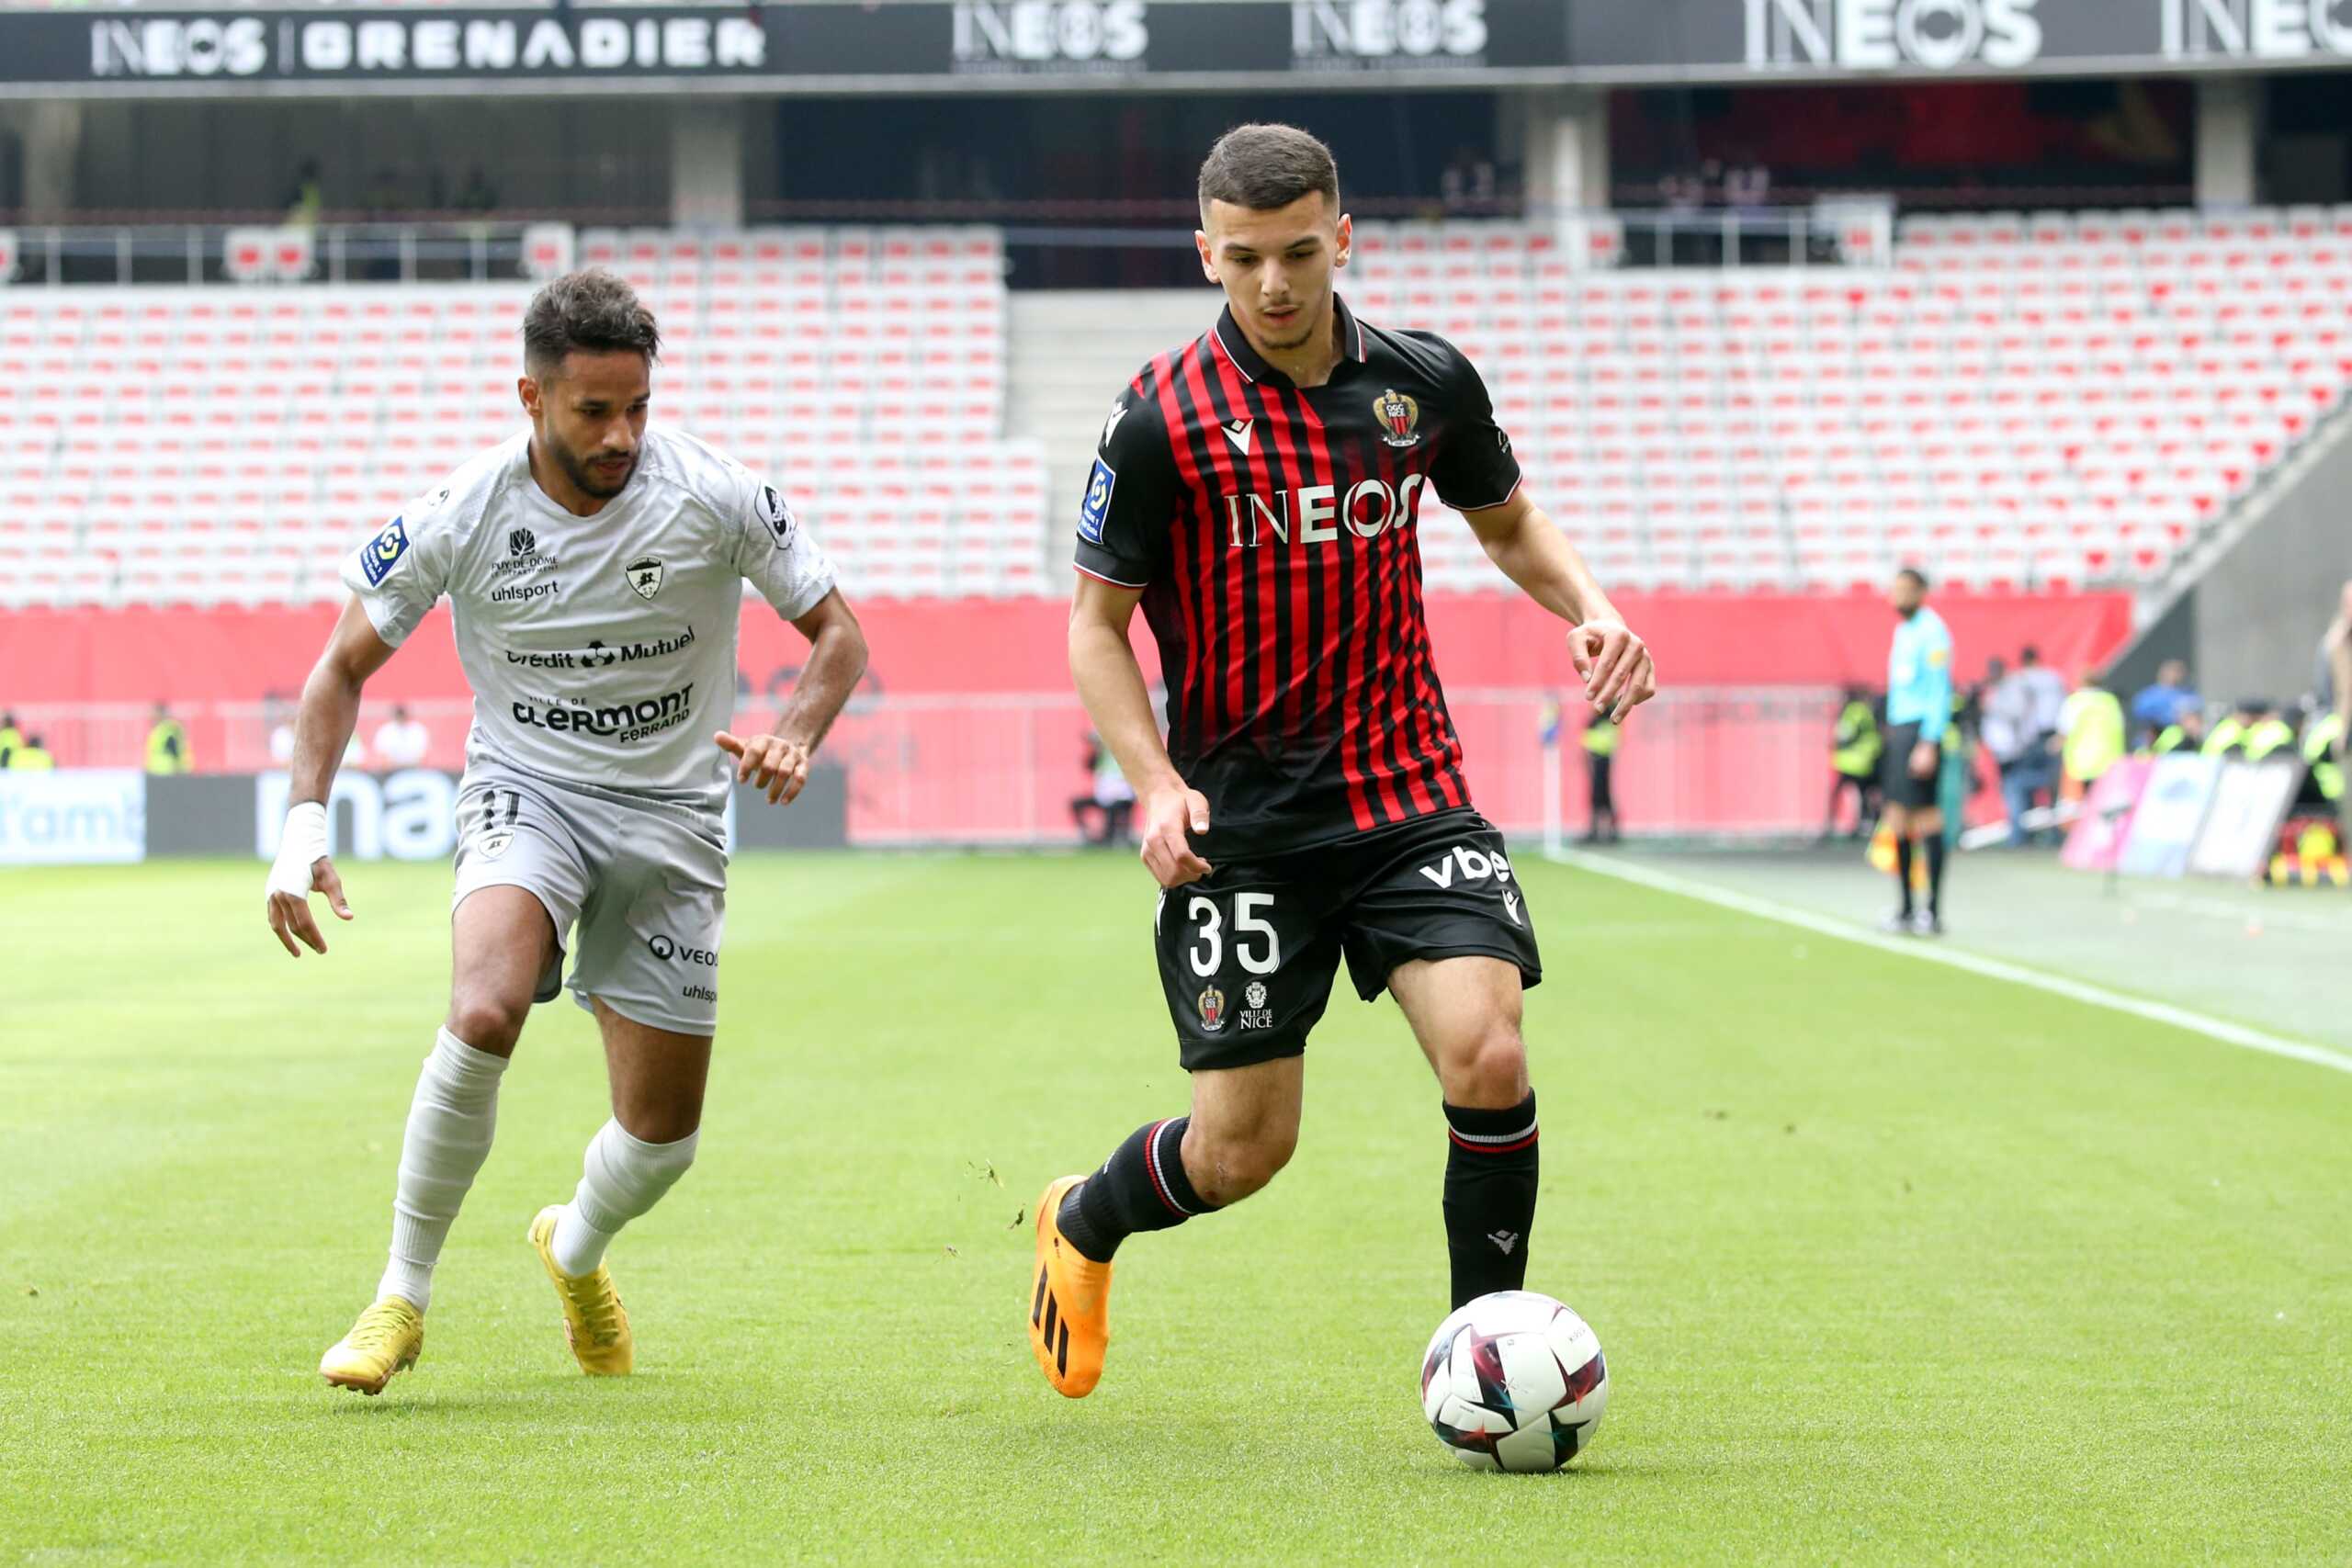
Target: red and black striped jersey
{"points": [[1272, 529]]}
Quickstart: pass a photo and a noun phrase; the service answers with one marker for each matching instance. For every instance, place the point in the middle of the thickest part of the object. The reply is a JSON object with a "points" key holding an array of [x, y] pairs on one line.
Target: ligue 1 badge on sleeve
{"points": [[1400, 416], [1211, 1009], [645, 576], [385, 549]]}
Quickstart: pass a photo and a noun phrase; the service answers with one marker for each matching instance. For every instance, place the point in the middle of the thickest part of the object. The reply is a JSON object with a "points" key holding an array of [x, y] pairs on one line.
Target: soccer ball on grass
{"points": [[1514, 1380]]}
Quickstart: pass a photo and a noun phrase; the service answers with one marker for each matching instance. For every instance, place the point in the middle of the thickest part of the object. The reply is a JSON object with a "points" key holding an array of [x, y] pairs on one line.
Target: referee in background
{"points": [[1918, 711]]}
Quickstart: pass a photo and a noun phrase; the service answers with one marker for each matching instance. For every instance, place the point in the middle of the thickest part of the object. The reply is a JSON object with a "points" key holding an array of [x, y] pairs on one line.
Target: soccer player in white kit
{"points": [[594, 570]]}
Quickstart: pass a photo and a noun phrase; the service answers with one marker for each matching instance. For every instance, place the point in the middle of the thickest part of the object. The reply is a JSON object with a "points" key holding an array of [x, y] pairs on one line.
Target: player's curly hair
{"points": [[590, 310], [1266, 166]]}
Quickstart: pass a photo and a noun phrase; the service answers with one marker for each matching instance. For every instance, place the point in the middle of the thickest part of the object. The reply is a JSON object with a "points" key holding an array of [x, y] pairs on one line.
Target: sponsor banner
{"points": [[2171, 811], [1728, 39], [2105, 820], [74, 817], [933, 43], [1071, 40], [2241, 829], [411, 814]]}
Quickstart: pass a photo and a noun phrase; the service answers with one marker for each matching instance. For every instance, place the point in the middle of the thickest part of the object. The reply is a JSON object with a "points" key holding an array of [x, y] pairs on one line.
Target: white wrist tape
{"points": [[300, 847]]}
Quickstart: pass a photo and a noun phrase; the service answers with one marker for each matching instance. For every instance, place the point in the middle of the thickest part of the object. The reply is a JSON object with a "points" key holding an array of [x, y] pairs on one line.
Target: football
{"points": [[1514, 1380]]}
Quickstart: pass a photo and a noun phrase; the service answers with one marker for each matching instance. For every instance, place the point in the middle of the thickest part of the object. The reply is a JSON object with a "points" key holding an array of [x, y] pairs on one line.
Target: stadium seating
{"points": [[2019, 404], [2024, 402], [206, 446]]}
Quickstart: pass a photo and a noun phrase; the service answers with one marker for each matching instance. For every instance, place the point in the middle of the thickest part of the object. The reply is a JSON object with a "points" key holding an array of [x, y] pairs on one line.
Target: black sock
{"points": [[1489, 1197], [1935, 848], [1142, 1187], [1903, 871]]}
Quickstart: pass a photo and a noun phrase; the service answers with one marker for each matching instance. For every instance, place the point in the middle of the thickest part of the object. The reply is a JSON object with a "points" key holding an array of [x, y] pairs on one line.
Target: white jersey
{"points": [[601, 649]]}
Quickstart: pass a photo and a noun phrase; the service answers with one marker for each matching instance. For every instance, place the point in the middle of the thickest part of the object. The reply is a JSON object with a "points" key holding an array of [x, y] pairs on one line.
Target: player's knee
{"points": [[1490, 1070], [488, 1021], [1237, 1164], [655, 1122]]}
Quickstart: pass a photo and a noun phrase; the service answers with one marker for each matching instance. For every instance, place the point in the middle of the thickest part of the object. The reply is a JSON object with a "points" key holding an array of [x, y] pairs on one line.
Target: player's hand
{"points": [[771, 762], [1169, 814], [1923, 760], [1616, 667], [290, 905]]}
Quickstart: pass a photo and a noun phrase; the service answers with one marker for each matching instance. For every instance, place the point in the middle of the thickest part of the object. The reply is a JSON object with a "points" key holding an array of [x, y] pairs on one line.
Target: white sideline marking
{"points": [[2165, 1013]]}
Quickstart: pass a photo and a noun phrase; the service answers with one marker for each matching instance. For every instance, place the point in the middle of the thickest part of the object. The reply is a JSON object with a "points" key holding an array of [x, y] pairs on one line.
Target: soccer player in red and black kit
{"points": [[1256, 493]]}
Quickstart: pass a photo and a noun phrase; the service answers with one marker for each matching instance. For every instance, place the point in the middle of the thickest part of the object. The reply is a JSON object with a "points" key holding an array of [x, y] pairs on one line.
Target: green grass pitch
{"points": [[1891, 1263]]}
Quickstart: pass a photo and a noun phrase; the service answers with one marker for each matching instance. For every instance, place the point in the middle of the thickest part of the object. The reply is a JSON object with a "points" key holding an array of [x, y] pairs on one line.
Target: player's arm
{"points": [[1110, 683], [1477, 475], [1534, 553], [1132, 494], [322, 727], [1938, 685], [778, 761]]}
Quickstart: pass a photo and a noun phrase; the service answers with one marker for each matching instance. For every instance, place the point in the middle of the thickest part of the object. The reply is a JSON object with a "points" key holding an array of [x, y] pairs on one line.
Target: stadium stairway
{"points": [[1070, 352]]}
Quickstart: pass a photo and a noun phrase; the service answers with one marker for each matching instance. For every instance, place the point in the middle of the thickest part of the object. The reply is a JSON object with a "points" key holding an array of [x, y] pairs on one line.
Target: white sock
{"points": [[449, 1127], [621, 1178]]}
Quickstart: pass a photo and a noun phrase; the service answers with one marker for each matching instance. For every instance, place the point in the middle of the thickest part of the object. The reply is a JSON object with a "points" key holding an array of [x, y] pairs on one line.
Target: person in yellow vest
{"points": [[2323, 750], [32, 757], [2226, 738], [2090, 734], [166, 744], [1600, 755], [2184, 734], [2321, 747], [1854, 753], [10, 738], [2266, 735]]}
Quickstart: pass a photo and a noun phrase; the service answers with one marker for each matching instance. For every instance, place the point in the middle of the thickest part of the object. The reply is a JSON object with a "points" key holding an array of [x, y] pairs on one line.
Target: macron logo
{"points": [[1238, 432]]}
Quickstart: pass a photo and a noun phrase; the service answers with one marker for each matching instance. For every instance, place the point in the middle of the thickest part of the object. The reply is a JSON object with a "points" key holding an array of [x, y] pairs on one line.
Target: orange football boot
{"points": [[1069, 1304]]}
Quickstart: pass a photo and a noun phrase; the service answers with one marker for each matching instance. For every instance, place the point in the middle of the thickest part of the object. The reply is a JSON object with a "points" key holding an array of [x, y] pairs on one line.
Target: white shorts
{"points": [[645, 884]]}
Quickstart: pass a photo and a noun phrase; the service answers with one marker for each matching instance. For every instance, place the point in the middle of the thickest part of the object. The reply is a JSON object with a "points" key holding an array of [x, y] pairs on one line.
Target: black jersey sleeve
{"points": [[1475, 467], [1132, 495]]}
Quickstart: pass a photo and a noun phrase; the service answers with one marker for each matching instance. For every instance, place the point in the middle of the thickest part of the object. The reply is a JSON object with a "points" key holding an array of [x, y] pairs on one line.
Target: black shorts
{"points": [[1896, 780], [1247, 955]]}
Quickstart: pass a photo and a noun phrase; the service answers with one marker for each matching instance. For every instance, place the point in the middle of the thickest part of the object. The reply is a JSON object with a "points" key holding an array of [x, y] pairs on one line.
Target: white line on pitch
{"points": [[2166, 1013]]}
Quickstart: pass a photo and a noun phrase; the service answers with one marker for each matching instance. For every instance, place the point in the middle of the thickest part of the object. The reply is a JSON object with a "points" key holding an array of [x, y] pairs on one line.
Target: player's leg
{"points": [[1240, 1132], [1242, 1129], [1465, 1012], [1927, 826], [632, 1162], [657, 1085], [1901, 800], [648, 940], [1444, 927], [1246, 966], [502, 954]]}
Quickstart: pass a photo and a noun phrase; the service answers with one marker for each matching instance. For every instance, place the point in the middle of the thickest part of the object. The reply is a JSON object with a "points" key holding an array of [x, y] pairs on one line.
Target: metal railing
{"points": [[1006, 768], [1042, 248], [485, 252]]}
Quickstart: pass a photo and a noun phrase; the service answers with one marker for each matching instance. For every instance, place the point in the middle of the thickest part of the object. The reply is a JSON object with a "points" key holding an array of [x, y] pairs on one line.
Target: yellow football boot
{"points": [[596, 1325], [387, 1338], [1069, 1304]]}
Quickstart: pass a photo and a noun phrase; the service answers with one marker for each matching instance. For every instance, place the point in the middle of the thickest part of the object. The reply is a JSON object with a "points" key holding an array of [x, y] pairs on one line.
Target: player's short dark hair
{"points": [[1916, 575], [1265, 166], [590, 310]]}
